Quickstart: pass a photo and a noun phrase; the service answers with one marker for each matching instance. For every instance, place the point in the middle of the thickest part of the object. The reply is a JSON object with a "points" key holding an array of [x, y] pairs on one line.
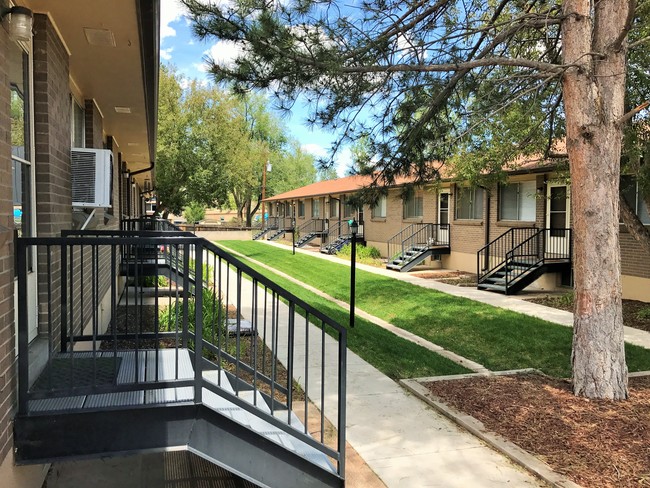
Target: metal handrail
{"points": [[312, 225], [492, 256], [395, 242], [334, 231], [418, 235], [82, 268], [534, 250]]}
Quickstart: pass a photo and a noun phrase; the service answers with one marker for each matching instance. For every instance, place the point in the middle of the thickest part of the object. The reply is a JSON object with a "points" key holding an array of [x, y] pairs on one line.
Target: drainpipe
{"points": [[487, 228], [131, 175]]}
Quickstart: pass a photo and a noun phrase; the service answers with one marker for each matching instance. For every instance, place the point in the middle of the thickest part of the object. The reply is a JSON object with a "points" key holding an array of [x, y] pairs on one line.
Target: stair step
{"points": [[491, 286]]}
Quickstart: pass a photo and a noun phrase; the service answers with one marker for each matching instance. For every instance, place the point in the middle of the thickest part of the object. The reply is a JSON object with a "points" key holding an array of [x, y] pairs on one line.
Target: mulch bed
{"points": [[636, 314], [595, 443]]}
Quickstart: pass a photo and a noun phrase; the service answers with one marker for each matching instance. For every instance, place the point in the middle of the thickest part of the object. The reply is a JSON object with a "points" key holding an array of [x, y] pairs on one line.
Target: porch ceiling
{"points": [[114, 76]]}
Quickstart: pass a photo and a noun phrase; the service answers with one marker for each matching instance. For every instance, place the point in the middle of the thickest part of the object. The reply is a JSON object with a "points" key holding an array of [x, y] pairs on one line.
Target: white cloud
{"points": [[343, 161], [166, 54], [223, 53], [315, 150], [170, 11]]}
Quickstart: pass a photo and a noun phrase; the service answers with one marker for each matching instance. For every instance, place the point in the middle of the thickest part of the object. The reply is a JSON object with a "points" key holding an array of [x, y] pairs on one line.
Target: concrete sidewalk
{"points": [[509, 302], [402, 439]]}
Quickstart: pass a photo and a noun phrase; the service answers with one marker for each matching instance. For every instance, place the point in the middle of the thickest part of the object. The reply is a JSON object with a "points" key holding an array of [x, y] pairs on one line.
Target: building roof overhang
{"points": [[113, 49]]}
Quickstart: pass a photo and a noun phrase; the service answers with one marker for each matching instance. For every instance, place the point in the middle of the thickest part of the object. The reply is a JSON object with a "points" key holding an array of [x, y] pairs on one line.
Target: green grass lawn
{"points": [[497, 338]]}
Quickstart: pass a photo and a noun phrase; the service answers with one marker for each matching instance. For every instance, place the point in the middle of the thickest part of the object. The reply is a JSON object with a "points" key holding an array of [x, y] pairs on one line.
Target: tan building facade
{"points": [[535, 197]]}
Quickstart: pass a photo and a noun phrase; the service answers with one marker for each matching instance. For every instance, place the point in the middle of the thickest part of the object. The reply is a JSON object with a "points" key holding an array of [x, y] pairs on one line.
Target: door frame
{"points": [[554, 243], [444, 234]]}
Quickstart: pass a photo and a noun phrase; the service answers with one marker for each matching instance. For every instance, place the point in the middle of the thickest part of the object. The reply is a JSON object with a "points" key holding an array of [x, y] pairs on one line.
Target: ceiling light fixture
{"points": [[17, 22]]}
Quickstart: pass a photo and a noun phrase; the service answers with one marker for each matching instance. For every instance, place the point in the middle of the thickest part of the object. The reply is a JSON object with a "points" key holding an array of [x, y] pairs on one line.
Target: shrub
{"points": [[643, 313], [365, 254]]}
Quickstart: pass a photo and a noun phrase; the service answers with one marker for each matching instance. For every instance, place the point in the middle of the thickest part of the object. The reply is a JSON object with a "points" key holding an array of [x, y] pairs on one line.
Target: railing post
{"points": [[186, 291], [198, 323], [23, 340], [343, 369], [64, 298]]}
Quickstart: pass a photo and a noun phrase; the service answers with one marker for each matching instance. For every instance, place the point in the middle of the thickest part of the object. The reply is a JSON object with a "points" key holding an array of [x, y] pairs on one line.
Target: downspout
{"points": [[138, 172], [487, 227]]}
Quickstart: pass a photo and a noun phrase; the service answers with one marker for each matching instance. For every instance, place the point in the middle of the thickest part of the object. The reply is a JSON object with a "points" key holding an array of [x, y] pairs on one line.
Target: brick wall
{"points": [[52, 158], [7, 341], [52, 130]]}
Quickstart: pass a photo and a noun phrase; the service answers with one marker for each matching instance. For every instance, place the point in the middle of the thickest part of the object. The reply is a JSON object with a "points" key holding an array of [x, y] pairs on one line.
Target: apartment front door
{"points": [[443, 217], [558, 204]]}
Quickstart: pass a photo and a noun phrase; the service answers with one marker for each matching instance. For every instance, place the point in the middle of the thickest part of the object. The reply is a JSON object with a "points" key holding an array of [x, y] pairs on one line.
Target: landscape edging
{"points": [[497, 442]]}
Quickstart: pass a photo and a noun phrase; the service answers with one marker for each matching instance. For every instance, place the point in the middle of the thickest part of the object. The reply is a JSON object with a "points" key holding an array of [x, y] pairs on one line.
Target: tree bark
{"points": [[593, 92]]}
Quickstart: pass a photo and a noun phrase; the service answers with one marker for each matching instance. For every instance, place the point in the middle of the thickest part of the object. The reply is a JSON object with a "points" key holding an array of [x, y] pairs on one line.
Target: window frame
{"points": [[413, 207], [77, 108], [315, 209], [472, 192], [519, 199], [378, 210]]}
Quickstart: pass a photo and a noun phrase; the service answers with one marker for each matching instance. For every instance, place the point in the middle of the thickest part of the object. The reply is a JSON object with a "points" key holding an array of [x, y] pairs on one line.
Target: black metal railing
{"points": [[311, 226], [418, 236], [337, 229], [101, 308], [492, 256], [529, 248], [148, 224]]}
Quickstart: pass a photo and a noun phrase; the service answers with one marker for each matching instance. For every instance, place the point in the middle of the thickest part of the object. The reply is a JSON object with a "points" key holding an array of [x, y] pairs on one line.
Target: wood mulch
{"points": [[636, 314], [595, 443]]}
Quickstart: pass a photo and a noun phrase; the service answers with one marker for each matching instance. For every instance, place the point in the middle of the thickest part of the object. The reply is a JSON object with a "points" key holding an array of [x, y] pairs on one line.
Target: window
{"points": [[348, 208], [78, 129], [334, 208], [20, 139], [469, 203], [379, 209], [517, 201], [301, 208], [413, 207], [315, 209], [630, 190]]}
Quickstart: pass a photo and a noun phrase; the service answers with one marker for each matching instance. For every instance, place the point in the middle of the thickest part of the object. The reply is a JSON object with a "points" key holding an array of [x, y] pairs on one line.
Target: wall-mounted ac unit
{"points": [[92, 177]]}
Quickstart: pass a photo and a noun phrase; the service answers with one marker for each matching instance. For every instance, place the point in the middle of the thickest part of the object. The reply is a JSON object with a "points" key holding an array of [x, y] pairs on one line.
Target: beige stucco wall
{"points": [[636, 288]]}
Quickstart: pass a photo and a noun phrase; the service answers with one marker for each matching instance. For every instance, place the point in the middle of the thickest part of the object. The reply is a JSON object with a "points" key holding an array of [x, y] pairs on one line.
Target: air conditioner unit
{"points": [[92, 177]]}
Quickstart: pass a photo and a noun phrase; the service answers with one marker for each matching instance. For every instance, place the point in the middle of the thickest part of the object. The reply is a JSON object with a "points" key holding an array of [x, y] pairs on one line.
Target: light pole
{"points": [[267, 167], [293, 227], [354, 227]]}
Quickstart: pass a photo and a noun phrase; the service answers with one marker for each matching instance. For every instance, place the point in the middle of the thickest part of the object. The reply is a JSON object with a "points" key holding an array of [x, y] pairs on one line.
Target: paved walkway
{"points": [[406, 442]]}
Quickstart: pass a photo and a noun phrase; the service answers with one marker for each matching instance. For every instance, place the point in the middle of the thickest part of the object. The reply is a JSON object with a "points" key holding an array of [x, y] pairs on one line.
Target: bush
{"points": [[364, 254], [643, 313]]}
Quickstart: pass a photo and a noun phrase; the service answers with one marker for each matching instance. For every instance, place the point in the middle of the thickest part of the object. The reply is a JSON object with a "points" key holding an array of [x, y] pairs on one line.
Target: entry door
{"points": [[443, 217], [557, 220]]}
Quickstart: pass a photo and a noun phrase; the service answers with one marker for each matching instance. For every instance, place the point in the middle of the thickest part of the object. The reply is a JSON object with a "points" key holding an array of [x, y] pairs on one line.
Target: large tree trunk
{"points": [[593, 92]]}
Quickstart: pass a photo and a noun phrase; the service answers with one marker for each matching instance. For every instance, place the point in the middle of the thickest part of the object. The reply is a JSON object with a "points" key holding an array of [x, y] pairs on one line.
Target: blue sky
{"points": [[180, 48]]}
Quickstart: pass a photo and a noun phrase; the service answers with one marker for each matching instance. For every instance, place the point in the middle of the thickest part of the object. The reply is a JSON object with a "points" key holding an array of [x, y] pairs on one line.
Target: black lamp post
{"points": [[354, 228]]}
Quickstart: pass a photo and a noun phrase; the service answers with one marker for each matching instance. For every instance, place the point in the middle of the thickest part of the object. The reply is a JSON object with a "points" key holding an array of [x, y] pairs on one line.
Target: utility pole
{"points": [[267, 167]]}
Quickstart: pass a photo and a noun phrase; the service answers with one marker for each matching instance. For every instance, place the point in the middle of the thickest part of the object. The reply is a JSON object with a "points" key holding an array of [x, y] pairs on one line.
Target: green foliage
{"points": [[194, 212], [643, 313], [214, 316], [150, 281], [368, 255]]}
